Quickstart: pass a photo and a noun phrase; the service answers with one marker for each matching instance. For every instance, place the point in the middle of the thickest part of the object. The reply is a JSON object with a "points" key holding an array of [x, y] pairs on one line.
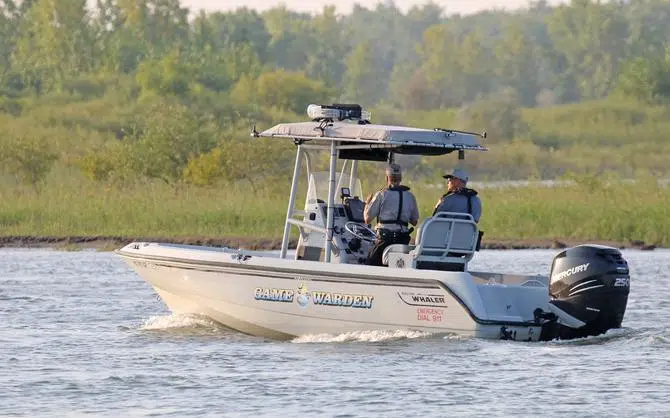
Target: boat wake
{"points": [[610, 335], [362, 336], [180, 321], [658, 339]]}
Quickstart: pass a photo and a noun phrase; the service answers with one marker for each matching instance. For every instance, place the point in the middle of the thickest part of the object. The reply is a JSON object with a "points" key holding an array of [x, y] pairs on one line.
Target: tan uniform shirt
{"points": [[384, 207]]}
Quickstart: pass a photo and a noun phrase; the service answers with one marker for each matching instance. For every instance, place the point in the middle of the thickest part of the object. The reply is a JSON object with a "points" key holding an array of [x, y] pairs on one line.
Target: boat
{"points": [[323, 284]]}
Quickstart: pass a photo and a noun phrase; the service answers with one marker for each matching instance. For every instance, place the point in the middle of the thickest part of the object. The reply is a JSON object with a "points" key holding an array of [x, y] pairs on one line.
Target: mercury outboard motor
{"points": [[588, 292]]}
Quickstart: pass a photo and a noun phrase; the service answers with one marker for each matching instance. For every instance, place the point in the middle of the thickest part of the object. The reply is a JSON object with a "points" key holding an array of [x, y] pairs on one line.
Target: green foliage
{"points": [[96, 166], [10, 106], [291, 41], [167, 76], [290, 91], [587, 37], [170, 137], [285, 90], [518, 60], [26, 155], [452, 81], [53, 41], [89, 85], [155, 210], [255, 161], [605, 211], [646, 80], [133, 94], [325, 61], [243, 27], [362, 83], [603, 124], [204, 169], [499, 114], [415, 60]]}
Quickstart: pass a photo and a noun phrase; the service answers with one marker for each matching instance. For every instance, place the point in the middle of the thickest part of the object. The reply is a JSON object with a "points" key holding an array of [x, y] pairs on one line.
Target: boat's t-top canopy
{"points": [[346, 132], [358, 139]]}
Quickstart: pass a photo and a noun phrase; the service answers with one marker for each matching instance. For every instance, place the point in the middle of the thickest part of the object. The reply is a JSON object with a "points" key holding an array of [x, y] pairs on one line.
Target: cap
{"points": [[393, 170], [458, 173]]}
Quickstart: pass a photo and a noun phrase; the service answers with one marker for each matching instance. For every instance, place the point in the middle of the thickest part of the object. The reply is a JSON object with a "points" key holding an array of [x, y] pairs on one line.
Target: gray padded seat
{"points": [[446, 241], [395, 248]]}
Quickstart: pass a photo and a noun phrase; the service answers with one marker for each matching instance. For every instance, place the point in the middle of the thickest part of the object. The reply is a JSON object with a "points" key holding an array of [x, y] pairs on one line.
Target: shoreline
{"points": [[110, 243]]}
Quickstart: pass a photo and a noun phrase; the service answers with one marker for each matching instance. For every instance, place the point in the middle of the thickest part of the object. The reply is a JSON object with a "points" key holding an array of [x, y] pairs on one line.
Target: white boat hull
{"points": [[281, 298]]}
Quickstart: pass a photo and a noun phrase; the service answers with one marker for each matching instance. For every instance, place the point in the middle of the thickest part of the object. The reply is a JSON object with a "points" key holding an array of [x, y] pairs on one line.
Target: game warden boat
{"points": [[325, 287]]}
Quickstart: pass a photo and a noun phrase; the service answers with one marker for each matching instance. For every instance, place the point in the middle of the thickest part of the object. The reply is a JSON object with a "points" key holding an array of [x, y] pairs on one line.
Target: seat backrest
{"points": [[395, 248], [449, 238], [354, 208], [464, 237]]}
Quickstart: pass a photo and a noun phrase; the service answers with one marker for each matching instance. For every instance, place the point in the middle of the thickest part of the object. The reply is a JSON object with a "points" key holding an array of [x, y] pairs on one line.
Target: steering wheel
{"points": [[361, 231]]}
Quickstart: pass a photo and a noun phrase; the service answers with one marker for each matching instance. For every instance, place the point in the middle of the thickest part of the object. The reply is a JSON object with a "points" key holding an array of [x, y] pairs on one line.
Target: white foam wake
{"points": [[362, 336], [173, 321], [609, 335]]}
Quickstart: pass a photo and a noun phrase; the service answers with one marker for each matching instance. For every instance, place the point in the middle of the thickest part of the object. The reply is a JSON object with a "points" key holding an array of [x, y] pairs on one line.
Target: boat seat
{"points": [[395, 249], [354, 208], [446, 241]]}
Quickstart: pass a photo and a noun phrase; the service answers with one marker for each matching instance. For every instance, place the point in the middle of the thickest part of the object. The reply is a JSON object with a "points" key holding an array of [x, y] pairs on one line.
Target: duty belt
{"points": [[393, 222]]}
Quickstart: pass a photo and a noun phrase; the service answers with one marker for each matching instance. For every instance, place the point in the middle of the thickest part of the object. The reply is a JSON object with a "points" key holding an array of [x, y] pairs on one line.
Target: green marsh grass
{"points": [[592, 137], [591, 209]]}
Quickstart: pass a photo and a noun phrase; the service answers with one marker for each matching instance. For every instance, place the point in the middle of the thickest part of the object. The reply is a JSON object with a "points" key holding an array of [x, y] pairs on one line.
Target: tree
{"points": [[499, 114], [325, 61], [646, 80], [590, 39], [234, 29], [9, 18], [167, 76], [285, 90], [204, 169], [54, 42], [649, 31], [362, 82], [291, 38], [26, 153], [171, 136], [517, 64], [456, 69]]}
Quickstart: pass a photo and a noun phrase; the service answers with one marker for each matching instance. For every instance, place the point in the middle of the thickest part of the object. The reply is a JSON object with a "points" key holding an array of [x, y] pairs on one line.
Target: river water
{"points": [[82, 335]]}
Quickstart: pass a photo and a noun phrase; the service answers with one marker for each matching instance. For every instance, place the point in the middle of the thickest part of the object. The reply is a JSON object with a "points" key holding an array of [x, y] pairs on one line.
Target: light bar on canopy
{"points": [[337, 112]]}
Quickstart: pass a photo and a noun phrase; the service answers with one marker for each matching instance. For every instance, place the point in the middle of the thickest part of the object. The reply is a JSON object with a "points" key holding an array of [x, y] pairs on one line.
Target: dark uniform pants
{"points": [[385, 238]]}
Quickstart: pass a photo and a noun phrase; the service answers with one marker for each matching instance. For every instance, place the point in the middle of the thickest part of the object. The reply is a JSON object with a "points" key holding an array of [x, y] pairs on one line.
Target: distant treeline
{"points": [[140, 90]]}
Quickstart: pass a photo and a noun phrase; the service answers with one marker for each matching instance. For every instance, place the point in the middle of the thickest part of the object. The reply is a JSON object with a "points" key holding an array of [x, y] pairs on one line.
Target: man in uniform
{"points": [[395, 208], [459, 198]]}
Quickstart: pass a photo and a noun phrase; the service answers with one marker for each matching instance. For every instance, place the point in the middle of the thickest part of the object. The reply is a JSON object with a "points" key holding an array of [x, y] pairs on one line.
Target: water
{"points": [[81, 334]]}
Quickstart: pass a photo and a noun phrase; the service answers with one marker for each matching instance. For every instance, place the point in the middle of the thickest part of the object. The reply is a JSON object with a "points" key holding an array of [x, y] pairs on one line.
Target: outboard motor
{"points": [[588, 292]]}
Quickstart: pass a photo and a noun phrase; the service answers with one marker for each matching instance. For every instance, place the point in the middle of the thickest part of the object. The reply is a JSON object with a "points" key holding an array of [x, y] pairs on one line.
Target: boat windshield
{"points": [[318, 186]]}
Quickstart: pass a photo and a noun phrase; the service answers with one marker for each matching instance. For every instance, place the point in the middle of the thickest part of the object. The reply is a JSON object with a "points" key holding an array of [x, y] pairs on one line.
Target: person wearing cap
{"points": [[395, 209], [459, 198]]}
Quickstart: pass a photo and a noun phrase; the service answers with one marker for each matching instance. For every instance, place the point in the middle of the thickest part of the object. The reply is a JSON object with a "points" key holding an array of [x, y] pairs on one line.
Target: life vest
{"points": [[469, 193], [396, 221]]}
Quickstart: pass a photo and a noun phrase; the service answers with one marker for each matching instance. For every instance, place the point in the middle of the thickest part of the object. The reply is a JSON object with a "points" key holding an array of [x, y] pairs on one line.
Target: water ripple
{"points": [[81, 334]]}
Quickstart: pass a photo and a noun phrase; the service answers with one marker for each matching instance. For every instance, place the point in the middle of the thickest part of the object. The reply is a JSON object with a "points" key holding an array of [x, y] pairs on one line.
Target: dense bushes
{"points": [[137, 96]]}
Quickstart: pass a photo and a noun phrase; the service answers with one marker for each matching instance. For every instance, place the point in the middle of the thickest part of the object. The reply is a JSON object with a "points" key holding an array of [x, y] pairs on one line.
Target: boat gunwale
{"points": [[243, 269]]}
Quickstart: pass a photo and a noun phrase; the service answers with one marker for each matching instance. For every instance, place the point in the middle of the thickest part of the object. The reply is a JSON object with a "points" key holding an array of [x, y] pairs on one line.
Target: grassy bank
{"points": [[590, 210]]}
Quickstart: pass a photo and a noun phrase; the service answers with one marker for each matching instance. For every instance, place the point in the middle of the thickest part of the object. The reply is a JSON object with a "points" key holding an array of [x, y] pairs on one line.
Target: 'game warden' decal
{"points": [[274, 295], [342, 299], [304, 297]]}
